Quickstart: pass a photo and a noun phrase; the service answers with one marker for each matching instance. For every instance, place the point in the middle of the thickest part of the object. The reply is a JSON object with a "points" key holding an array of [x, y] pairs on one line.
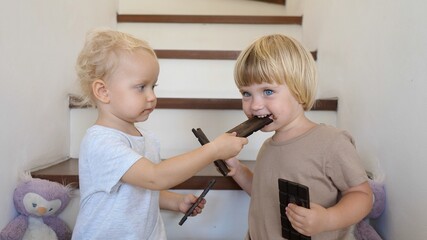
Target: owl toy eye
{"points": [[34, 205], [50, 209]]}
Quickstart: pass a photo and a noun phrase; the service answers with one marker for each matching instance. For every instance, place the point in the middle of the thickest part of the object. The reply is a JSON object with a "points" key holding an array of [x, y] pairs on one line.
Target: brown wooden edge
{"points": [[200, 182], [197, 54], [330, 104], [65, 172], [215, 19], [327, 104], [199, 103], [281, 2], [203, 54]]}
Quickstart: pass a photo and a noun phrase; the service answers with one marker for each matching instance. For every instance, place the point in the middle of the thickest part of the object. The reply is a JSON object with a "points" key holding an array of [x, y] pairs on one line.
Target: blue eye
{"points": [[34, 205], [268, 92], [246, 94]]}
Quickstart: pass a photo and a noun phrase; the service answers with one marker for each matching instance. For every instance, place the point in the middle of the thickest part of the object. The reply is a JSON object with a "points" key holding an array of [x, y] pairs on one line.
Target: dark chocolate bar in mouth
{"points": [[250, 126]]}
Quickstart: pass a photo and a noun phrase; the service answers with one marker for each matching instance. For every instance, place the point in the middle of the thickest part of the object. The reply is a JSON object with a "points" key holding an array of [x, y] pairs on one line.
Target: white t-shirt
{"points": [[109, 208]]}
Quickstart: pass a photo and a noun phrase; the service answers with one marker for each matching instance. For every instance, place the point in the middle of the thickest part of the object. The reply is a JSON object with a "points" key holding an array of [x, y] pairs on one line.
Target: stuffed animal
{"points": [[363, 230], [38, 203]]}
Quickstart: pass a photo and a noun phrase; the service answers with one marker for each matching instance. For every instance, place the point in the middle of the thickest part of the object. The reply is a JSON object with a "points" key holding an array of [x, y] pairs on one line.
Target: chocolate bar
{"points": [[292, 192], [199, 199], [244, 129]]}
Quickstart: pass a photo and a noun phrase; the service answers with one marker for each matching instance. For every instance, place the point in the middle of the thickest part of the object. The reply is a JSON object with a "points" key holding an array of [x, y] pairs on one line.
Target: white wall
{"points": [[39, 42], [374, 53]]}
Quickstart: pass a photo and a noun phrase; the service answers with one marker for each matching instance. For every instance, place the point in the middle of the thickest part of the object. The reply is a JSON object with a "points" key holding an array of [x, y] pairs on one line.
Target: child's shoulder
{"points": [[98, 130], [328, 131], [102, 134], [331, 129]]}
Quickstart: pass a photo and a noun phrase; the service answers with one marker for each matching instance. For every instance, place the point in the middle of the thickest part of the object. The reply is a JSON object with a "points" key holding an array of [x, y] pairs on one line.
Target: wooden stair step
{"points": [[203, 54], [213, 19], [329, 104], [281, 2], [67, 172]]}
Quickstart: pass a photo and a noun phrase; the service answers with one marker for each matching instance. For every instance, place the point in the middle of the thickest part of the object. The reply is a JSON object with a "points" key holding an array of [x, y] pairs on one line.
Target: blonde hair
{"points": [[100, 57], [279, 59]]}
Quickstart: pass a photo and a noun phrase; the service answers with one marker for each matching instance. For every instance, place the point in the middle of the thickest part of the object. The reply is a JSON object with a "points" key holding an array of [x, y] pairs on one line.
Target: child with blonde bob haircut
{"points": [[122, 179], [276, 76]]}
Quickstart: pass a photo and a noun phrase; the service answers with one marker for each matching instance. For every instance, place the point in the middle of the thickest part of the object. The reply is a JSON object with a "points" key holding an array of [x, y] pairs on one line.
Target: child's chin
{"points": [[266, 129], [142, 119]]}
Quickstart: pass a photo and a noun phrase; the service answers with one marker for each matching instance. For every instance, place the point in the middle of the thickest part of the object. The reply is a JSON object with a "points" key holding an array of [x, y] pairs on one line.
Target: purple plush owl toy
{"points": [[38, 203]]}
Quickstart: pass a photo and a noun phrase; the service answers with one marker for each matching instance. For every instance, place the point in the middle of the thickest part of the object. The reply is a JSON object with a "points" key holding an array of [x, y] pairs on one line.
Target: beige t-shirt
{"points": [[324, 159]]}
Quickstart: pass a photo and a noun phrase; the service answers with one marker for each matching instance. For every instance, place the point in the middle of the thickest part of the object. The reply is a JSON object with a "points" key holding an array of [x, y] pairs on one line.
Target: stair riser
{"points": [[204, 36]]}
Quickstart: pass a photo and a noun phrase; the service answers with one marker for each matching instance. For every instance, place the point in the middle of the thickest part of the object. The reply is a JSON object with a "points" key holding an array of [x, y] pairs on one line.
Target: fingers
{"points": [[298, 217], [232, 172], [243, 139], [196, 211], [295, 213], [232, 164], [297, 210], [199, 207], [308, 221], [228, 145]]}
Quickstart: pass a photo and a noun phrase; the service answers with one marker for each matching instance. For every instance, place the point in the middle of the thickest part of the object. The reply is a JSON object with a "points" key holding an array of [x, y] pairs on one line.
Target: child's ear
{"points": [[100, 91]]}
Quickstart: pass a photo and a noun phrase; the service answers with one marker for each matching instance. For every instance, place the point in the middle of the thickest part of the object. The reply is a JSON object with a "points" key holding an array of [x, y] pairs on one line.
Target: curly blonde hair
{"points": [[100, 57], [279, 59]]}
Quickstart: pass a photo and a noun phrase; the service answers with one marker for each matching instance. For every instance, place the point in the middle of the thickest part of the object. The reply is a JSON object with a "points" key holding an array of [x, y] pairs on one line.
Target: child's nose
{"points": [[151, 96], [257, 104]]}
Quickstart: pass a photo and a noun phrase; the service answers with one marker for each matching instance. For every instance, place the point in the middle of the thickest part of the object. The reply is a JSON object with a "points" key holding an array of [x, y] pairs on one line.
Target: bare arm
{"points": [[169, 200], [170, 172], [354, 205], [241, 174]]}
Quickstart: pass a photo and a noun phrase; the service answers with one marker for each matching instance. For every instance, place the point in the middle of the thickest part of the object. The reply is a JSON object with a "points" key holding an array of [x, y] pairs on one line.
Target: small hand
{"points": [[228, 145], [308, 221], [188, 201], [233, 165]]}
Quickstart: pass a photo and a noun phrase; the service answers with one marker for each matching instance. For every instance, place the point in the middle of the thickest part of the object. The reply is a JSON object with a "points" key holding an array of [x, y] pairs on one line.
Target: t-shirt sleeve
{"points": [[109, 157], [344, 166]]}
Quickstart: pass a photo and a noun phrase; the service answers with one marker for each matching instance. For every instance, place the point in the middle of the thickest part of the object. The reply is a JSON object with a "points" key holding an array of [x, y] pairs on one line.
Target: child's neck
{"points": [[128, 128], [293, 130]]}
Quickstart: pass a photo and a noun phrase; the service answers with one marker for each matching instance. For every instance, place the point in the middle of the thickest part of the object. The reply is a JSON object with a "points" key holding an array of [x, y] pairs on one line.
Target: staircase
{"points": [[197, 47]]}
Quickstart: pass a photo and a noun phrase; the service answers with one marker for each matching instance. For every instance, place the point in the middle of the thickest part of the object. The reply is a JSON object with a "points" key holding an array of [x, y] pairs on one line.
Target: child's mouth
{"points": [[264, 116]]}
